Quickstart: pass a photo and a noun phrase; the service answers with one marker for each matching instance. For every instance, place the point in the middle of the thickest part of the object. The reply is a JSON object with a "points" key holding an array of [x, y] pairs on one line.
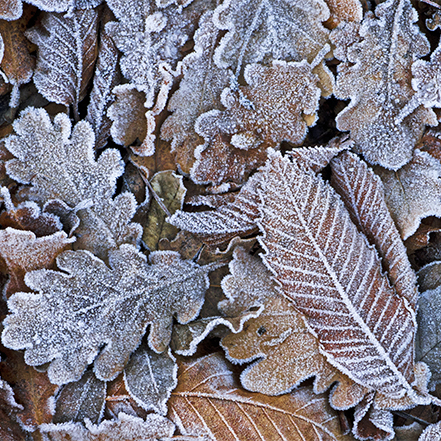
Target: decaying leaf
{"points": [[81, 399], [363, 195], [331, 274], [272, 29], [413, 192], [65, 169], [286, 352], [59, 326], [22, 252], [150, 377], [170, 190], [377, 79], [126, 427], [10, 430], [67, 50], [209, 402], [199, 91]]}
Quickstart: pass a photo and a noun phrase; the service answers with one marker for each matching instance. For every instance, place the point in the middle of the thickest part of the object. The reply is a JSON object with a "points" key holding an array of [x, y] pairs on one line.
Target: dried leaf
{"points": [[329, 272], [127, 428], [341, 11], [22, 252], [10, 430], [80, 400], [171, 191], [209, 402], [67, 50], [431, 433], [65, 169], [376, 77], [117, 304], [429, 276], [363, 195], [107, 76], [150, 377], [413, 192], [199, 91], [286, 352], [272, 29]]}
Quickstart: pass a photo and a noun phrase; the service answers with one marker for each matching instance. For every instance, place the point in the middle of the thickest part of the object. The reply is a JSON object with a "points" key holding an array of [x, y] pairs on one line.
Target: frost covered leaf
{"points": [[262, 30], [67, 50], [199, 91], [341, 11], [286, 351], [428, 336], [150, 377], [413, 192], [10, 430], [17, 63], [65, 169], [22, 252], [209, 402], [107, 76], [431, 433], [331, 274], [11, 9], [377, 78], [81, 399], [125, 428], [171, 191], [237, 218], [274, 106], [363, 195], [91, 305]]}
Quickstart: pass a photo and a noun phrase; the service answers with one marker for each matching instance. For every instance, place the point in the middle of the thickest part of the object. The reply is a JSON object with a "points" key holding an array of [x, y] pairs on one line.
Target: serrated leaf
{"points": [[377, 79], [413, 192], [170, 189], [67, 50], [60, 164], [60, 326], [329, 272], [81, 399], [209, 402], [150, 377]]}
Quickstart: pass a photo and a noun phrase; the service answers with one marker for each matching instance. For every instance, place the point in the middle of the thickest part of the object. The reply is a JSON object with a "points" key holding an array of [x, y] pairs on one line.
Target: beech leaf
{"points": [[91, 305]]}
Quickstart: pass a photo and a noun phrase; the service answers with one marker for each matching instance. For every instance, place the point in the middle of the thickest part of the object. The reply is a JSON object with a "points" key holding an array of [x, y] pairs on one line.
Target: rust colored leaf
{"points": [[363, 195], [340, 11], [377, 78], [22, 252], [67, 50], [10, 430], [331, 274], [209, 402]]}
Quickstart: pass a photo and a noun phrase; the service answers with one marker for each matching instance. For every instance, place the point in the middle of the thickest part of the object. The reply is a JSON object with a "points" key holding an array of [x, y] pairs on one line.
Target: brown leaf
{"points": [[347, 10], [209, 401], [429, 276], [10, 430], [11, 9], [431, 433]]}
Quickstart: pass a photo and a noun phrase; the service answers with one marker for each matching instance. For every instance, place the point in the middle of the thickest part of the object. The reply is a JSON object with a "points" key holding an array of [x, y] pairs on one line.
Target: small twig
{"points": [[411, 417], [155, 195]]}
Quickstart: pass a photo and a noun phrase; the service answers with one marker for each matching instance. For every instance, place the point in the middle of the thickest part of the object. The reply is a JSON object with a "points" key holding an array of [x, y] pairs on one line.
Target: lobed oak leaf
{"points": [[77, 312], [209, 402], [199, 91], [126, 427], [413, 192], [272, 29], [23, 252], [286, 352], [376, 77], [363, 195], [150, 377], [81, 399], [326, 268], [65, 169], [67, 51]]}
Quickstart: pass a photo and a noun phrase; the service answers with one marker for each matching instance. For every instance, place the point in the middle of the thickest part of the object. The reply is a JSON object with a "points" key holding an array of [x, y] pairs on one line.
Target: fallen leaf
{"points": [[10, 430], [431, 433], [429, 276], [343, 11]]}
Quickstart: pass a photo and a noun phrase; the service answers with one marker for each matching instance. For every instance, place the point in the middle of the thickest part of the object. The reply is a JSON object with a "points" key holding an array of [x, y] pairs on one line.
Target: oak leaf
{"points": [[332, 275], [60, 326], [10, 430], [65, 169], [343, 11], [431, 433], [376, 77], [209, 402]]}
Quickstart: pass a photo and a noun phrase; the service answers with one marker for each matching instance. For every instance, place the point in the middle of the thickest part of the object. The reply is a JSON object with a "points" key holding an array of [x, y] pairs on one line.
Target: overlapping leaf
{"points": [[91, 305], [377, 79]]}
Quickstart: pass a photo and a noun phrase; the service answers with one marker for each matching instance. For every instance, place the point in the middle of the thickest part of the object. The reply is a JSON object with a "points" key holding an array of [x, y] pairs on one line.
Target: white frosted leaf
{"points": [[60, 164], [67, 50], [150, 377], [91, 310], [376, 77], [431, 433], [331, 274]]}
